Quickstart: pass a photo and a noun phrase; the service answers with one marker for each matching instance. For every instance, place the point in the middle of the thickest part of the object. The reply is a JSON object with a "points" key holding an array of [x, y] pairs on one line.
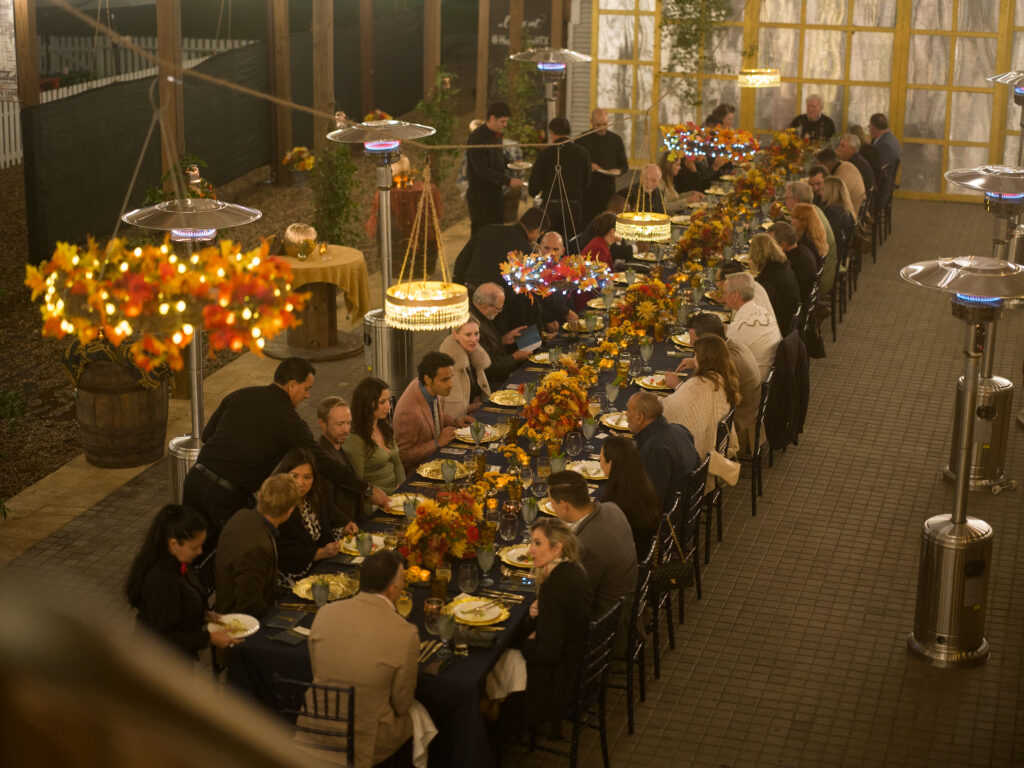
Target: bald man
{"points": [[607, 160], [556, 308], [666, 449], [647, 195]]}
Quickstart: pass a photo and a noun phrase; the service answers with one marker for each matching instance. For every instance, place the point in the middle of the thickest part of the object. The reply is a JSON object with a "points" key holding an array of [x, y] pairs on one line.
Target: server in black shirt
{"points": [[607, 161], [485, 170], [562, 192]]}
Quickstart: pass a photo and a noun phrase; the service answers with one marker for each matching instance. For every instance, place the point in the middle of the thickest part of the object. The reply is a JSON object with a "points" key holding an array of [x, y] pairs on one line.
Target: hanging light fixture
{"points": [[552, 63], [641, 225], [759, 78]]}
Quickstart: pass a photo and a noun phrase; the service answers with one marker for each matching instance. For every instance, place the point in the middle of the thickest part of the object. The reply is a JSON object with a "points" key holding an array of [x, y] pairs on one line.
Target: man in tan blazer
{"points": [[420, 423], [363, 642]]}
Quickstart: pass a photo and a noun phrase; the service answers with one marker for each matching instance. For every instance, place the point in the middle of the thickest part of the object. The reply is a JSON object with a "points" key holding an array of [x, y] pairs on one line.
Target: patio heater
{"points": [[956, 550], [190, 221], [552, 63], [387, 349], [1003, 188]]}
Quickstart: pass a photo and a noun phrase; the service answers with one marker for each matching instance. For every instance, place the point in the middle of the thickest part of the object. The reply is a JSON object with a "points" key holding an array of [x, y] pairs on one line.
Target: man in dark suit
{"points": [[244, 439], [335, 420], [485, 170], [607, 159], [666, 449], [607, 552], [487, 302], [563, 194], [246, 566]]}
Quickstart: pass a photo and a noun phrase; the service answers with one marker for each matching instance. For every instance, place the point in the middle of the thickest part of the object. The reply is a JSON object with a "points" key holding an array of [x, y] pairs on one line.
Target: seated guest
{"points": [[797, 193], [630, 489], [747, 370], [310, 534], [707, 396], [246, 566], [620, 250], [732, 267], [335, 420], [848, 172], [809, 231], [556, 631], [848, 151], [363, 642], [695, 173], [816, 175], [421, 427], [801, 260], [487, 302], [469, 387], [839, 211], [813, 124], [666, 449], [646, 196], [556, 307], [674, 201], [751, 323], [599, 248], [607, 553], [778, 280], [372, 447], [870, 153], [164, 589], [723, 115]]}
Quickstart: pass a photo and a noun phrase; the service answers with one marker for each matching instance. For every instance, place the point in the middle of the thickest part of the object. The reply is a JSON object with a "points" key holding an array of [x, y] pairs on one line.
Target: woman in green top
{"points": [[371, 446]]}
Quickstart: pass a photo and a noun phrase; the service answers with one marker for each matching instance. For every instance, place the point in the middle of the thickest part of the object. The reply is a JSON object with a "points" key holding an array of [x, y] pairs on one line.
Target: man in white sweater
{"points": [[751, 323]]}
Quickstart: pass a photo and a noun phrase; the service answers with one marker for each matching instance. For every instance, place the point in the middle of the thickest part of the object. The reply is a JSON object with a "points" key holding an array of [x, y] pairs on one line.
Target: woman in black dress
{"points": [[631, 489], [164, 589], [311, 532], [777, 278], [557, 628]]}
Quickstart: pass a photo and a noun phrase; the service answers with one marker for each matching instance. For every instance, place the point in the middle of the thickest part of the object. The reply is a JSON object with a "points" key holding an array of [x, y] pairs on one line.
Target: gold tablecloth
{"points": [[341, 266]]}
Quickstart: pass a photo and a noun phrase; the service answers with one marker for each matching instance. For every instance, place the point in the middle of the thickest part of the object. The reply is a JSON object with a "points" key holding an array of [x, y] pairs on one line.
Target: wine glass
{"points": [[526, 477], [431, 610], [554, 355], [574, 444], [646, 350], [591, 321], [594, 405], [448, 471], [446, 629], [485, 559], [443, 572], [611, 391], [529, 509], [589, 430], [404, 604], [509, 528], [540, 490], [469, 579], [635, 366]]}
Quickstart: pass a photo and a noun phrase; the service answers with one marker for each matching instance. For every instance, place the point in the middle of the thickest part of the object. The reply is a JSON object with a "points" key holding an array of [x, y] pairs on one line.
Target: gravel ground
{"points": [[38, 429]]}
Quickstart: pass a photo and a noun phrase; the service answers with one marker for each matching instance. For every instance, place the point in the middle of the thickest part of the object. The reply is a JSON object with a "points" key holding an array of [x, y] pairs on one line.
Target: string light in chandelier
{"points": [[544, 275], [688, 139]]}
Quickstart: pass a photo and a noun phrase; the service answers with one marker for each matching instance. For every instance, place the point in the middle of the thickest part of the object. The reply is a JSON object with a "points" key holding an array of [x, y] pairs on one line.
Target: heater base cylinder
{"points": [[952, 593], [993, 414]]}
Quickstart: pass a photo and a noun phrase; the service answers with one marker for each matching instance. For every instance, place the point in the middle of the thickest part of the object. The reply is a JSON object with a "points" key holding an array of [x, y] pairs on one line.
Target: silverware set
{"points": [[428, 648], [499, 596]]}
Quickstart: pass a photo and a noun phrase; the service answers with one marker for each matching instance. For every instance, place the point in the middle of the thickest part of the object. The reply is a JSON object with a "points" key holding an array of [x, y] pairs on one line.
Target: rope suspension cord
{"points": [[427, 224]]}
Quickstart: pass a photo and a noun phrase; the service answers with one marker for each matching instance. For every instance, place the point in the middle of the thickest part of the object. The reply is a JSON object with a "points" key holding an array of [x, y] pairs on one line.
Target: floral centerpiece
{"points": [[753, 188], [299, 159], [447, 525], [604, 353], [786, 151], [558, 404], [621, 332], [709, 232], [158, 298], [645, 303], [543, 275]]}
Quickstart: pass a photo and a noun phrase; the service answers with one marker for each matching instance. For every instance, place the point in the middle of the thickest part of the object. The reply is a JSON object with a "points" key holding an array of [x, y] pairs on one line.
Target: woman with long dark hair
{"points": [[371, 447], [164, 589], [631, 489], [311, 532]]}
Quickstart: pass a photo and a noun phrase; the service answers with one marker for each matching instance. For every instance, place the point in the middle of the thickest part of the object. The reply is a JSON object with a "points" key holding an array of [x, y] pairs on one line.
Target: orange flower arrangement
{"points": [[710, 231], [447, 524], [786, 152], [559, 403], [300, 159], [242, 299]]}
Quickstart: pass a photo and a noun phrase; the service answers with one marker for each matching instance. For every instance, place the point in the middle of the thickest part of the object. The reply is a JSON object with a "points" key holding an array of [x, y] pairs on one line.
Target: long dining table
{"points": [[451, 695]]}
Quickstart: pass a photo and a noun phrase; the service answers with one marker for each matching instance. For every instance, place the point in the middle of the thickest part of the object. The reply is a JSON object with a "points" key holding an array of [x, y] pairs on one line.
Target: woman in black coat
{"points": [[311, 532], [557, 628], [631, 489], [164, 589], [777, 278]]}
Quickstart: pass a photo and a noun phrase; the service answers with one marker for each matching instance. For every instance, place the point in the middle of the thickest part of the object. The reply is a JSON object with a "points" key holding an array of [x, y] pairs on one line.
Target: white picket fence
{"points": [[74, 54]]}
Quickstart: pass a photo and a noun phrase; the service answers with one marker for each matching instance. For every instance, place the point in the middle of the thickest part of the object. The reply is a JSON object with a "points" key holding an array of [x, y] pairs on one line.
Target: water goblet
{"points": [[364, 543], [469, 578], [409, 505], [529, 510], [646, 350], [448, 472], [555, 356], [404, 604], [630, 276], [509, 528], [574, 444], [591, 321], [485, 559], [431, 610], [443, 572], [589, 430], [446, 629], [526, 476], [557, 462], [594, 405], [611, 391], [477, 430], [539, 490], [529, 390], [321, 592], [635, 366]]}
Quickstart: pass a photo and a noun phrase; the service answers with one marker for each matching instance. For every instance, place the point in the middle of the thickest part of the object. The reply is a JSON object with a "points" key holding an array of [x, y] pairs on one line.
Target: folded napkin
{"points": [[508, 675], [423, 732]]}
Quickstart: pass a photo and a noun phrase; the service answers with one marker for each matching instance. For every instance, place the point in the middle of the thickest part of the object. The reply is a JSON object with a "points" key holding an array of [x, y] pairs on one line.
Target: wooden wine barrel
{"points": [[123, 424]]}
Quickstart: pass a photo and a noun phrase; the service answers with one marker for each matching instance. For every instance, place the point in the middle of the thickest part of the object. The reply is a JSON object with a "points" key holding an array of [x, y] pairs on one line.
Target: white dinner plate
{"points": [[237, 624]]}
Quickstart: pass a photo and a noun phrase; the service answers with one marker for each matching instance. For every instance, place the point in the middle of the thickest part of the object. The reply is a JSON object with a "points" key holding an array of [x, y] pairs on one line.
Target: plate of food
{"points": [[517, 556], [619, 277], [541, 358], [682, 340], [649, 256], [396, 503], [479, 611], [680, 218], [508, 398], [580, 326], [727, 177], [348, 545], [615, 420], [589, 469], [545, 507], [431, 470], [717, 191], [341, 586], [519, 165], [466, 436], [696, 204], [598, 303], [238, 625], [654, 381]]}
